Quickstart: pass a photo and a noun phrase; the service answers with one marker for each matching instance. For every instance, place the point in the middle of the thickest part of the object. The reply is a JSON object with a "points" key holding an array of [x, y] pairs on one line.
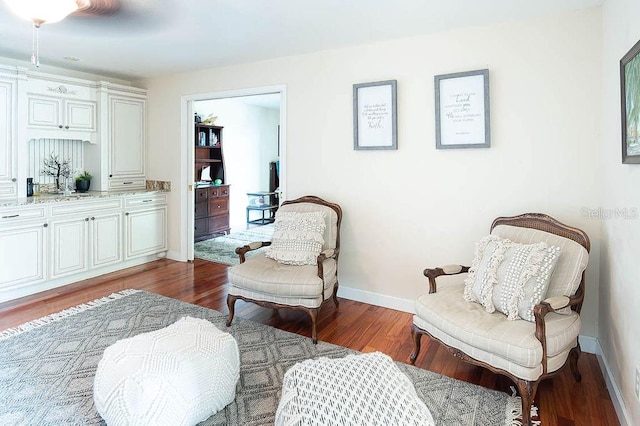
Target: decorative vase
{"points": [[83, 185]]}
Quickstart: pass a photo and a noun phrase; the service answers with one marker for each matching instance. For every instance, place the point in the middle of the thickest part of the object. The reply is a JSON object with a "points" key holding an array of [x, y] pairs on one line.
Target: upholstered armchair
{"points": [[536, 335], [299, 269]]}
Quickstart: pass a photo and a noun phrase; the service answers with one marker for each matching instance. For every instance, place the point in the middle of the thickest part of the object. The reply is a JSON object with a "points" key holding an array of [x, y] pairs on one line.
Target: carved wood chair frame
{"points": [[527, 389], [313, 312]]}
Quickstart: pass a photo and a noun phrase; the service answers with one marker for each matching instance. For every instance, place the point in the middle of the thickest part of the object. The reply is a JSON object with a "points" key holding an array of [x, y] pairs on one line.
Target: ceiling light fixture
{"points": [[39, 12]]}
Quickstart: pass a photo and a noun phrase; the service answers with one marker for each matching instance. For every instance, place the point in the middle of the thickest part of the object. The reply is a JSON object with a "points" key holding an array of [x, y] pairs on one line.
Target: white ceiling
{"points": [[148, 38]]}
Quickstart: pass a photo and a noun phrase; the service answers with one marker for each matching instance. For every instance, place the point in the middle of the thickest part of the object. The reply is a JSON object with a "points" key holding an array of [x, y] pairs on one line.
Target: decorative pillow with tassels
{"points": [[297, 238], [510, 277]]}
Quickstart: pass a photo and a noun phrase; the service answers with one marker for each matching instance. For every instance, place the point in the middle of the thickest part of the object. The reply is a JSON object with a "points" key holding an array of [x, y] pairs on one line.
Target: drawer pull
{"points": [[127, 183], [9, 217], [147, 201]]}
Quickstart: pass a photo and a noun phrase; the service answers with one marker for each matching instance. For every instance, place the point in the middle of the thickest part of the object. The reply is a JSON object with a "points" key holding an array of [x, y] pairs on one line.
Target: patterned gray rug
{"points": [[223, 249], [47, 366]]}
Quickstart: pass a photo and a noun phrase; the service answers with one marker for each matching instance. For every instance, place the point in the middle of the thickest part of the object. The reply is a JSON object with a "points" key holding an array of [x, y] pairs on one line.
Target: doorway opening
{"points": [[237, 149]]}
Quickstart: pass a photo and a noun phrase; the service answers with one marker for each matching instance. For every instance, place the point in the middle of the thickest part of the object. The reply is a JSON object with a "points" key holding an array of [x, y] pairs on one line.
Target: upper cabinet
{"points": [[126, 139], [36, 106], [62, 110], [61, 114], [121, 157], [8, 138]]}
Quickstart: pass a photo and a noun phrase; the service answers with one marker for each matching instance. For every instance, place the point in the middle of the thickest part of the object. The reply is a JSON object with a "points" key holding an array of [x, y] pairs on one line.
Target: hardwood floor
{"points": [[561, 401]]}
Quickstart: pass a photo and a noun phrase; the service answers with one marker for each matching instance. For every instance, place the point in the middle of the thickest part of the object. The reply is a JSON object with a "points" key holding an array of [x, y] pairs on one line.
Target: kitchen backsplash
{"points": [[65, 149], [158, 185]]}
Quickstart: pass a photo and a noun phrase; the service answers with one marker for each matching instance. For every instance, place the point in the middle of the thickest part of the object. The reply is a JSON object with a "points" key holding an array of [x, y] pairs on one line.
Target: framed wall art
{"points": [[374, 115], [630, 101], [462, 110]]}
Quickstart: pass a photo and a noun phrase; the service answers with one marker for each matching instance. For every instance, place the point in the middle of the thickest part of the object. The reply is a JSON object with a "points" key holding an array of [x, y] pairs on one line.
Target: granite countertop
{"points": [[55, 198]]}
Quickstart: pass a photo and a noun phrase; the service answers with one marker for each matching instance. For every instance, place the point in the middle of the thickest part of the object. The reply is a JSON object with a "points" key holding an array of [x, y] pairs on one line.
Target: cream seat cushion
{"points": [[265, 279], [492, 338], [178, 375]]}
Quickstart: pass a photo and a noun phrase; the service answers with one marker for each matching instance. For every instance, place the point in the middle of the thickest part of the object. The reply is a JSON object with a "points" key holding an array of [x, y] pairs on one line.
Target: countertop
{"points": [[56, 198]]}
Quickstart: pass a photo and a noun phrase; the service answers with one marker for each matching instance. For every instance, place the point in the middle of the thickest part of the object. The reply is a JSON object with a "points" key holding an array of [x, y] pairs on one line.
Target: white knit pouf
{"points": [[178, 375], [367, 389]]}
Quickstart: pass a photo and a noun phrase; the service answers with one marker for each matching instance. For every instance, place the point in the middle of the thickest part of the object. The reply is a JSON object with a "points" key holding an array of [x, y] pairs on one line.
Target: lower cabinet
{"points": [[85, 242], [52, 244], [145, 231], [22, 254], [145, 225]]}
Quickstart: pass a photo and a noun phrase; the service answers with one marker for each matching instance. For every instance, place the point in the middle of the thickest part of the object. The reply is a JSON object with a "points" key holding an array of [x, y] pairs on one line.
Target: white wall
{"points": [[620, 268], [415, 207], [249, 143]]}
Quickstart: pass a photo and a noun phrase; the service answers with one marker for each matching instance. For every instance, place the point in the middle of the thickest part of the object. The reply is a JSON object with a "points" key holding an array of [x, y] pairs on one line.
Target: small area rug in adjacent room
{"points": [[47, 367], [223, 249]]}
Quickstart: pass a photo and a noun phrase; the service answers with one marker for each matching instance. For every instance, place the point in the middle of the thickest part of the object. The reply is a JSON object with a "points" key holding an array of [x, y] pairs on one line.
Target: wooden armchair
{"points": [[269, 283], [525, 351]]}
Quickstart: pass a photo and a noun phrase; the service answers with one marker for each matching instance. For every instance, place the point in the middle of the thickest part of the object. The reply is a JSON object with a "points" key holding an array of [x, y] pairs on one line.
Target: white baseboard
{"points": [[612, 386], [176, 255], [377, 299]]}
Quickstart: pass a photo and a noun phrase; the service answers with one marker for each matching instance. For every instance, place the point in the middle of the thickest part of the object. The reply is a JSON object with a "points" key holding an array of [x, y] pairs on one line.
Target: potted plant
{"points": [[83, 181]]}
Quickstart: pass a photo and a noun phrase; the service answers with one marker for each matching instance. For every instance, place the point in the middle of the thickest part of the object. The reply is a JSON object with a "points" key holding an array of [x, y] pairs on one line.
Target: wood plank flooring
{"points": [[561, 401]]}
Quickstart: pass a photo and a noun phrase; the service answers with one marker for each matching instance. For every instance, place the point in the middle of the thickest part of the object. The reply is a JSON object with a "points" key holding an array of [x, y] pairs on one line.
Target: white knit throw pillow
{"points": [[367, 389], [297, 238], [510, 277]]}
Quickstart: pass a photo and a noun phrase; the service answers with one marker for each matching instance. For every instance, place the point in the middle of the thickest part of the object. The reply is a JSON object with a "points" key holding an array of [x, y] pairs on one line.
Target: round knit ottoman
{"points": [[178, 375]]}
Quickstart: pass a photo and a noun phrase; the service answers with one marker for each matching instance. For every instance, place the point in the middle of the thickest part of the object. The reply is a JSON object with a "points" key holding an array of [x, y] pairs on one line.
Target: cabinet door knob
{"points": [[93, 218], [60, 126], [14, 180], [66, 127], [45, 225], [86, 219], [126, 214]]}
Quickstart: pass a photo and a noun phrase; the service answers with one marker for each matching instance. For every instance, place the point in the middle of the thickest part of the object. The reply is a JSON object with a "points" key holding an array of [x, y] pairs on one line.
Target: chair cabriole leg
{"points": [[313, 313], [231, 303], [335, 295], [416, 337], [574, 355], [527, 393]]}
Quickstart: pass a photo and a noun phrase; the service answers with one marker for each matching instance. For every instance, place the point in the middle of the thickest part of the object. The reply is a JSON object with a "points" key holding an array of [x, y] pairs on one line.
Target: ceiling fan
{"points": [[49, 11]]}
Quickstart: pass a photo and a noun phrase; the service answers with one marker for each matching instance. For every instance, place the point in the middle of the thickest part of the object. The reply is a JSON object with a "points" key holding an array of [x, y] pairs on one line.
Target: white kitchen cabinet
{"points": [[44, 245], [127, 129], [56, 114], [85, 235], [61, 108], [145, 225], [69, 246], [84, 242], [8, 139], [23, 238], [106, 239]]}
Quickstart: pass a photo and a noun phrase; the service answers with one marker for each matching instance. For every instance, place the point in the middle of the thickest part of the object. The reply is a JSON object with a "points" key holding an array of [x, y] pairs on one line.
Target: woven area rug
{"points": [[223, 249], [47, 366]]}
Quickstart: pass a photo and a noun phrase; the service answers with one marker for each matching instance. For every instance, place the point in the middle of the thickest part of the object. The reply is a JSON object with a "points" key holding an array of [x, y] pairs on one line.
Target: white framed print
{"points": [[462, 110], [374, 115]]}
